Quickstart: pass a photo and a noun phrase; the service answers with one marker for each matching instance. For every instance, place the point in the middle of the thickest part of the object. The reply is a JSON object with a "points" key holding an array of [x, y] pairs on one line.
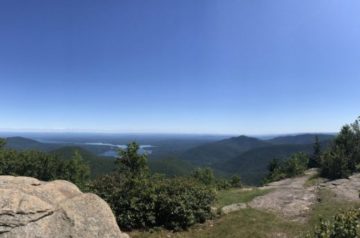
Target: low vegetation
{"points": [[234, 195], [281, 169], [142, 201], [43, 166], [343, 157], [153, 205]]}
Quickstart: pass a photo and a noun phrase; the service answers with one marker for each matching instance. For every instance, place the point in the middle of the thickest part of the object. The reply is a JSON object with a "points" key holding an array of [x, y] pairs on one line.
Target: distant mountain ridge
{"points": [[22, 143], [243, 155], [222, 150], [300, 139]]}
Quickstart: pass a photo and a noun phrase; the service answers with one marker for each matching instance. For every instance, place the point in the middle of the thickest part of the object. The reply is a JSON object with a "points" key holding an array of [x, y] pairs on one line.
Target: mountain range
{"points": [[242, 155]]}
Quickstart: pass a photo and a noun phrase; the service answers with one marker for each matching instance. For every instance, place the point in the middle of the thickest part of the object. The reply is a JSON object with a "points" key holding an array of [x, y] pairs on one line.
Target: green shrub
{"points": [[235, 182], [343, 225], [343, 157], [43, 166], [140, 200], [294, 166], [204, 176], [182, 202]]}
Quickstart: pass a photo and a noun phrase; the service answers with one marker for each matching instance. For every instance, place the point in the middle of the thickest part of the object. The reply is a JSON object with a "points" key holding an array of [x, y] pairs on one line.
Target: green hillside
{"points": [[171, 167], [300, 139], [21, 143], [98, 165], [223, 150]]}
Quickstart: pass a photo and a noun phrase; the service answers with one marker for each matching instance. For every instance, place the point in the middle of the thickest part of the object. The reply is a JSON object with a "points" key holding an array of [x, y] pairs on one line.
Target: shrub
{"points": [[204, 176], [294, 166], [43, 166], [235, 182], [343, 225], [142, 201], [182, 202], [343, 157]]}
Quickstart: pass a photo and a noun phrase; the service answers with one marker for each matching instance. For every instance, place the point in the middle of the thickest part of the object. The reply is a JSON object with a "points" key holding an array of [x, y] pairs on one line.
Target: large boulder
{"points": [[31, 208]]}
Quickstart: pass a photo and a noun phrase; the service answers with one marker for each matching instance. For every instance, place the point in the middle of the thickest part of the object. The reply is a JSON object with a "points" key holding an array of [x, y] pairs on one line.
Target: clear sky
{"points": [[204, 66]]}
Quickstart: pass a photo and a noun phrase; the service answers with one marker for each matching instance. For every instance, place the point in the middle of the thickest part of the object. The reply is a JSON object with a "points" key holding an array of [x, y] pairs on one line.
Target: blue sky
{"points": [[183, 66]]}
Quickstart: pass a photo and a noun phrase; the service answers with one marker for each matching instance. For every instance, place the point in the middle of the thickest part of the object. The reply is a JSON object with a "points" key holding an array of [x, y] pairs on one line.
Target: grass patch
{"points": [[227, 197], [330, 205], [245, 223], [314, 180], [251, 223]]}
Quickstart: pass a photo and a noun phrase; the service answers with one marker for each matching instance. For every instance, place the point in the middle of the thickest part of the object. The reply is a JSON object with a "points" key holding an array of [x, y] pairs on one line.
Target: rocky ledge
{"points": [[31, 208]]}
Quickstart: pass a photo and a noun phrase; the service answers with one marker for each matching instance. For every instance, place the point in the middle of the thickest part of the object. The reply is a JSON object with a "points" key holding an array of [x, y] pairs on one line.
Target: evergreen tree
{"points": [[2, 143], [204, 176], [131, 162], [314, 161], [78, 171]]}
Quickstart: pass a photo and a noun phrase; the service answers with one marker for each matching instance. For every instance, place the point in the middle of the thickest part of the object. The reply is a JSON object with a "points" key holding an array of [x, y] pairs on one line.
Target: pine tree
{"points": [[314, 161], [2, 143]]}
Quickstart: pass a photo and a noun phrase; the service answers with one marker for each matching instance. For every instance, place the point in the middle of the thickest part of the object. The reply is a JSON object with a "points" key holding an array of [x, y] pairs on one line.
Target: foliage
{"points": [[294, 166], [182, 202], [314, 160], [2, 143], [76, 170], [343, 157], [222, 184], [235, 181], [43, 166], [141, 200], [204, 176], [343, 225], [131, 162], [98, 165]]}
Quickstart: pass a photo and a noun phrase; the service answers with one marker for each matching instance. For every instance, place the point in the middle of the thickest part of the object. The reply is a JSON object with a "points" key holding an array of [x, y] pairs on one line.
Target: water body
{"points": [[144, 149]]}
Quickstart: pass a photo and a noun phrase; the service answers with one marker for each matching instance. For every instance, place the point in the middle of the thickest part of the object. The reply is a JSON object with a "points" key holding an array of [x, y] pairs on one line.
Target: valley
{"points": [[176, 155]]}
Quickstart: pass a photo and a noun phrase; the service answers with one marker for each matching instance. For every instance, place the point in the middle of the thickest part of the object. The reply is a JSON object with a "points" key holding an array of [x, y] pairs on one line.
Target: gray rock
{"points": [[233, 208], [30, 208], [290, 198], [347, 189]]}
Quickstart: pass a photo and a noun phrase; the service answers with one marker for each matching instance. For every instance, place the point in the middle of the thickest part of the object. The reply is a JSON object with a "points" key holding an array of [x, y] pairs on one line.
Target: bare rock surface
{"points": [[233, 208], [31, 208], [289, 198], [347, 189]]}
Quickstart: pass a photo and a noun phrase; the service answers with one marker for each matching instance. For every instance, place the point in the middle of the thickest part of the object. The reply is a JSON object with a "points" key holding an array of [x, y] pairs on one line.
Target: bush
{"points": [[235, 182], [182, 202], [204, 176], [343, 225], [142, 201], [43, 166], [343, 157], [294, 166]]}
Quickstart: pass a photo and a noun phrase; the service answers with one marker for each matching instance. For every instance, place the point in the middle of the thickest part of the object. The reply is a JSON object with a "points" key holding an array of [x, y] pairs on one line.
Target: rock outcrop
{"points": [[290, 198], [31, 208], [347, 189], [233, 208]]}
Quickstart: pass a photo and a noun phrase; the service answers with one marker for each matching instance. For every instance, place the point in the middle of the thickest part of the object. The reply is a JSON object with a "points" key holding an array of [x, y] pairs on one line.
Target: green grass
{"points": [[251, 223], [314, 180], [227, 197], [245, 223], [329, 205]]}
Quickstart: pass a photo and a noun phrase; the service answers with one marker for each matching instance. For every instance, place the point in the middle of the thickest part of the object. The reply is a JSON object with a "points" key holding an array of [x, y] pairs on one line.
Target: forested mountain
{"points": [[300, 139], [244, 156], [171, 167], [223, 150], [252, 165], [21, 143], [98, 165]]}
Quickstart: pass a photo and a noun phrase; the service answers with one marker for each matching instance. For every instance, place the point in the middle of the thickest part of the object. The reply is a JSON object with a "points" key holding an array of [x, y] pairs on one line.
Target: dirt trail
{"points": [[290, 198]]}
